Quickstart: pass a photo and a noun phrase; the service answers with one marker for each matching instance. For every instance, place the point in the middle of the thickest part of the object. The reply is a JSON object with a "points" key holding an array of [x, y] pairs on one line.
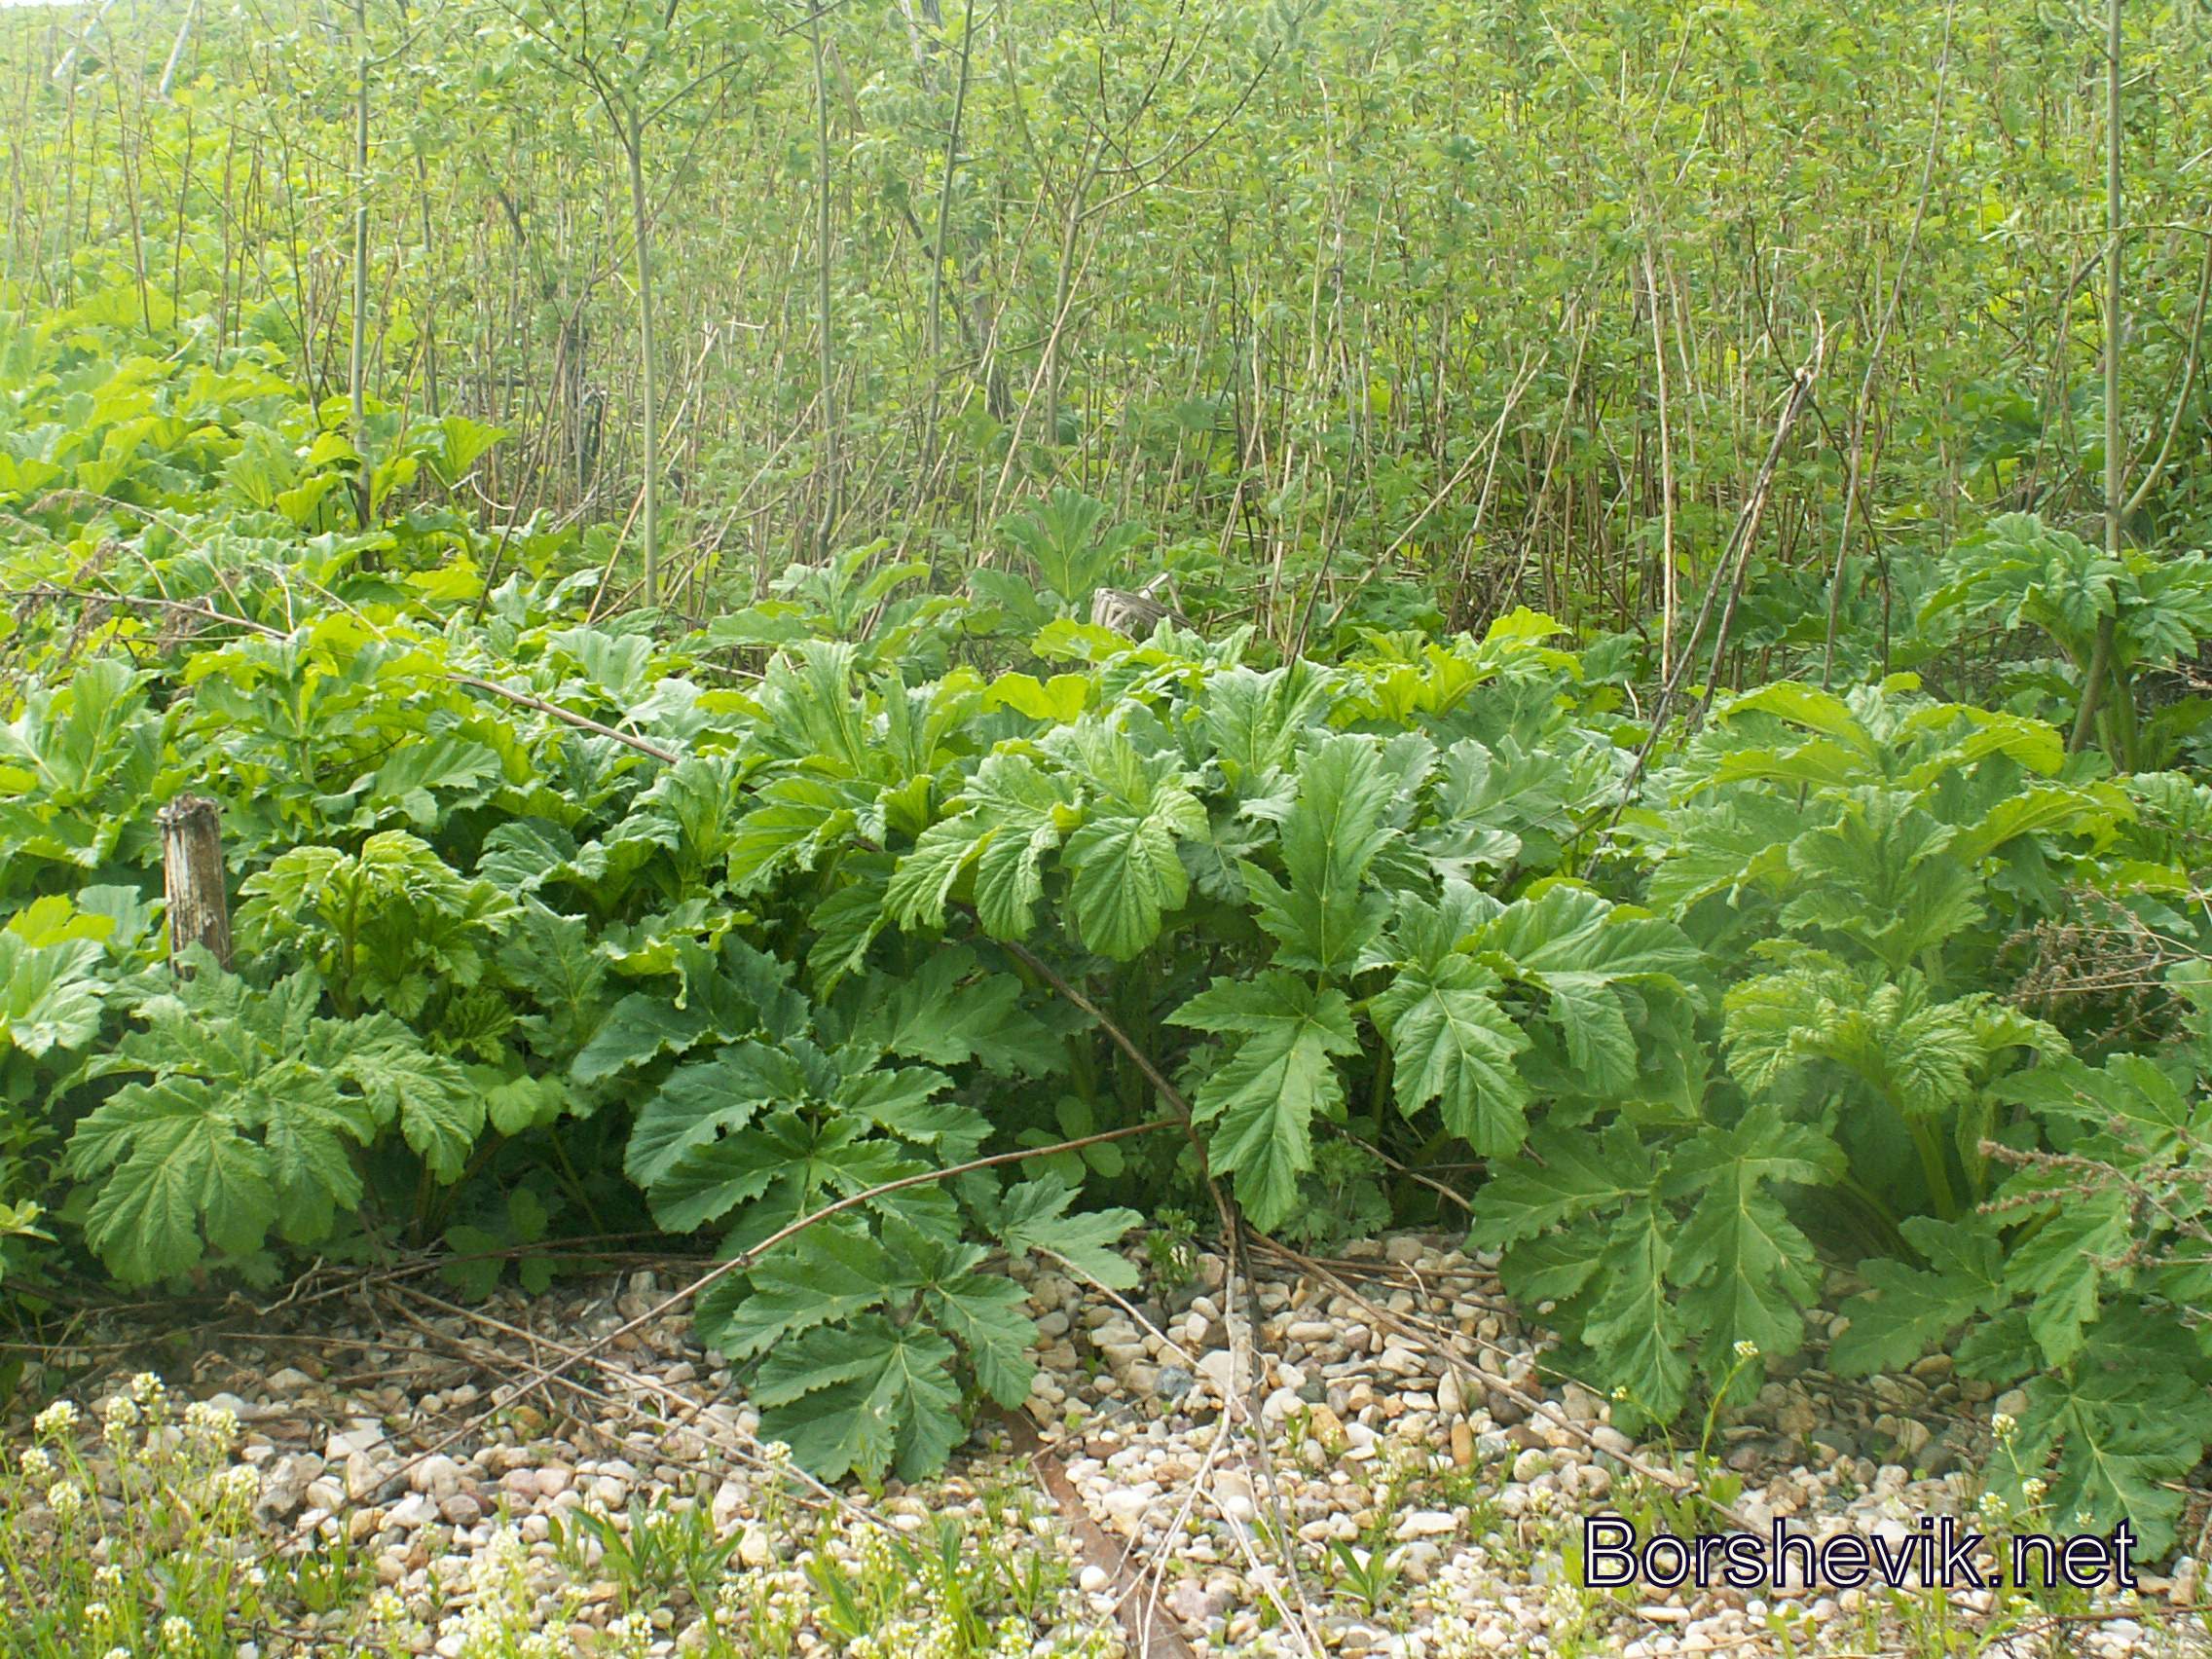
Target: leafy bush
{"points": [[550, 924]]}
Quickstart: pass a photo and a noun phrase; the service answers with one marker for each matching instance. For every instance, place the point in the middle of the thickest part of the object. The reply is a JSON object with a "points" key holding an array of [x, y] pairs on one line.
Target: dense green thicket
{"points": [[1503, 296], [868, 854]]}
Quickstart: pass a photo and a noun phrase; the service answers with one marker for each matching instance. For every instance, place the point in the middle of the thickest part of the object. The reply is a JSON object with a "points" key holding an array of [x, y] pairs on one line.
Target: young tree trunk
{"points": [[2099, 668], [192, 873], [356, 356], [633, 145], [823, 272], [937, 252]]}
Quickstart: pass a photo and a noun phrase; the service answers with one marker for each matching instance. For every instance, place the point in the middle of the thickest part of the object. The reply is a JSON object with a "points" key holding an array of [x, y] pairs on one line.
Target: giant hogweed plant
{"points": [[1832, 859], [769, 1108], [1308, 889], [2150, 609], [1855, 862], [499, 974]]}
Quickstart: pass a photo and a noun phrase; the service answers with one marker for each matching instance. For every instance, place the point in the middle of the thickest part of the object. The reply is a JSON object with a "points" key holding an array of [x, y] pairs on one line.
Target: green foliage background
{"points": [[1432, 352]]}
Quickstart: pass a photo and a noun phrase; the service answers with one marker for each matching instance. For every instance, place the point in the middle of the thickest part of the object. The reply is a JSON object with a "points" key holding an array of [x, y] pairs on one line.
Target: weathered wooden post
{"points": [[192, 871]]}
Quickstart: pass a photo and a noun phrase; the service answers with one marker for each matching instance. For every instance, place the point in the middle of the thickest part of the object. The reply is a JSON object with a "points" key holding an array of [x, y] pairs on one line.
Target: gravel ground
{"points": [[1363, 1456]]}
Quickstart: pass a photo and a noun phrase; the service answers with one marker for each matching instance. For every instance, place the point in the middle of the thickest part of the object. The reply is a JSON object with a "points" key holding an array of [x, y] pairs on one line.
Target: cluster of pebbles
{"points": [[1364, 1457]]}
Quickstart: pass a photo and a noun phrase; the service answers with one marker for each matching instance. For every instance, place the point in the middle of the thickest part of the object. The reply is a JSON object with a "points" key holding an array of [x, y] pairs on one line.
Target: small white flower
{"points": [[67, 1499], [36, 1464], [121, 1410], [98, 1614], [2004, 1425], [1620, 1394], [176, 1630], [56, 1420], [1745, 1349], [212, 1425], [118, 1653], [2033, 1488], [146, 1389]]}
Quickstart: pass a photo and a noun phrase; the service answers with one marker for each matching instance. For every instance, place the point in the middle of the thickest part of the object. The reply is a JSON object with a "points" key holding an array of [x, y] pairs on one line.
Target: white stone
{"points": [[363, 1476], [1426, 1523], [437, 1474], [1126, 1509], [728, 1504]]}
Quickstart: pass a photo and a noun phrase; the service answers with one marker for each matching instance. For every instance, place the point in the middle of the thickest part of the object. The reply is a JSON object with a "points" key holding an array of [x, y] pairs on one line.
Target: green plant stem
{"points": [[1883, 1218], [574, 1182], [1933, 1164], [2093, 678]]}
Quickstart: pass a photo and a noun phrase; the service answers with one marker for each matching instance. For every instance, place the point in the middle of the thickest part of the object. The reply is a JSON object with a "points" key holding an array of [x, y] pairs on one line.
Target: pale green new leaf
{"points": [[1885, 875], [1254, 721], [1012, 813], [1726, 847]]}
